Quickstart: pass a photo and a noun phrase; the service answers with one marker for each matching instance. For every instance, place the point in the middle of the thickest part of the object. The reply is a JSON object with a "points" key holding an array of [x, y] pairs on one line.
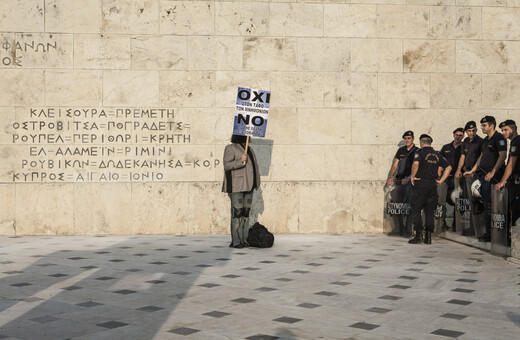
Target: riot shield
{"points": [[499, 222], [477, 209], [440, 210], [463, 208], [397, 204]]}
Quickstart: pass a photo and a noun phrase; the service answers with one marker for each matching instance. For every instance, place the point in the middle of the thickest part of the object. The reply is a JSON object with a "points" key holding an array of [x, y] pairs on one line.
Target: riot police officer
{"points": [[511, 177], [424, 178], [489, 167], [401, 168], [452, 153]]}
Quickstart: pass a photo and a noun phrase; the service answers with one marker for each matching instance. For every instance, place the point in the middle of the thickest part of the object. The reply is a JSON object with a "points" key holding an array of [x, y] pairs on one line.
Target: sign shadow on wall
{"points": [[263, 150]]}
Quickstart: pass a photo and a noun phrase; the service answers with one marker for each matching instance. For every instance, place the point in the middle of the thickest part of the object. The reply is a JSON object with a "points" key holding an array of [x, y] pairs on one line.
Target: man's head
{"points": [[488, 124], [471, 129], [425, 140], [408, 138], [508, 128], [458, 134]]}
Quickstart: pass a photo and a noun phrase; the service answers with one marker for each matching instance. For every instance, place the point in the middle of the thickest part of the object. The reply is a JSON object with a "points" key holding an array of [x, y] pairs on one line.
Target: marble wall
{"points": [[348, 77]]}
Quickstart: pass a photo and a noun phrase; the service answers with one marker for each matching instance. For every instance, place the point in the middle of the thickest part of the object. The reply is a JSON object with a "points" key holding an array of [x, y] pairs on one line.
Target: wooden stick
{"points": [[245, 151]]}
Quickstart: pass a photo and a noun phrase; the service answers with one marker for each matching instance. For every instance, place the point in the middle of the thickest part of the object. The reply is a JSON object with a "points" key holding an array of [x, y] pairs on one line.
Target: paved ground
{"points": [[305, 287]]}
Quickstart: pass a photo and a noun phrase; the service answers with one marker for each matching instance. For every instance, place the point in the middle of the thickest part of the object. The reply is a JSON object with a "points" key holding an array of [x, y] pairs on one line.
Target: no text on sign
{"points": [[252, 108]]}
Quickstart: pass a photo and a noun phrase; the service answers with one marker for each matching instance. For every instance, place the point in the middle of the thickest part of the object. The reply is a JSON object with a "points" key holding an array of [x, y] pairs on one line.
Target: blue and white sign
{"points": [[252, 108]]}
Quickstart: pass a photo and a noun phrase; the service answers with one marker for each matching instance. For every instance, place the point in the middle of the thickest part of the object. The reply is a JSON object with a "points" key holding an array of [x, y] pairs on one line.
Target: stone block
{"points": [[455, 90], [343, 20], [282, 126], [160, 208], [350, 162], [44, 209], [276, 205], [385, 156], [500, 91], [432, 2], [21, 87], [455, 22], [11, 163], [101, 51], [131, 88], [130, 16], [501, 23], [368, 207], [7, 213], [485, 3], [350, 90], [332, 213], [7, 118], [324, 126], [429, 56], [159, 52], [403, 21], [242, 18], [376, 55], [296, 19], [187, 17], [403, 90], [31, 10], [377, 126], [73, 16], [440, 129], [270, 54], [323, 54], [215, 53], [211, 125], [192, 163], [214, 215], [297, 89], [513, 56], [515, 242], [39, 50], [229, 81], [482, 56], [73, 87], [187, 89], [298, 163], [103, 209]]}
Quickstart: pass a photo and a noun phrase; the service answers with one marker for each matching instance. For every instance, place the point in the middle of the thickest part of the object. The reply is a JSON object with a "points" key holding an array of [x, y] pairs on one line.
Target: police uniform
{"points": [[403, 192], [513, 183], [491, 148], [471, 150], [452, 155], [424, 195]]}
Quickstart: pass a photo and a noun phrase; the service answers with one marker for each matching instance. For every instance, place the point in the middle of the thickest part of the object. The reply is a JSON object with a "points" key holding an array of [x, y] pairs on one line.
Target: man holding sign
{"points": [[241, 175]]}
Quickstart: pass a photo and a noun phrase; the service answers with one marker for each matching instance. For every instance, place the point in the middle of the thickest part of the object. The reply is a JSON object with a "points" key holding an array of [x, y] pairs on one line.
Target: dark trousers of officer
{"points": [[403, 194], [424, 197]]}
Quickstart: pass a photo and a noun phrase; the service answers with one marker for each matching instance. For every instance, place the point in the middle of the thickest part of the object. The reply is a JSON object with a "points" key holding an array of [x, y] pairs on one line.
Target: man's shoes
{"points": [[417, 239], [485, 238], [428, 237], [239, 246]]}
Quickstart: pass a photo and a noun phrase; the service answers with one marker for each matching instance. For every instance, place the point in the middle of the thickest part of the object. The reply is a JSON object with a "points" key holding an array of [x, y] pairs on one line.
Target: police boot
{"points": [[428, 237], [487, 217], [418, 239]]}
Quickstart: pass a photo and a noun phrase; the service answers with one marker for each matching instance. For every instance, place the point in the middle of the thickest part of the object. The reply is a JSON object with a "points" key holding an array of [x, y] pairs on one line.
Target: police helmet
{"points": [[475, 189], [455, 194]]}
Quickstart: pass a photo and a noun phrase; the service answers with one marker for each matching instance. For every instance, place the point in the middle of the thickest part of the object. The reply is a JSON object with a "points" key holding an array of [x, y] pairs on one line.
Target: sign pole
{"points": [[245, 151]]}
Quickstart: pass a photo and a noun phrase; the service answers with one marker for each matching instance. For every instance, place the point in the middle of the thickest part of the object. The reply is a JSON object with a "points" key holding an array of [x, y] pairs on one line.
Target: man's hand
{"points": [[405, 181], [413, 179], [469, 173], [499, 186], [389, 181], [244, 158], [489, 175], [439, 181], [458, 174]]}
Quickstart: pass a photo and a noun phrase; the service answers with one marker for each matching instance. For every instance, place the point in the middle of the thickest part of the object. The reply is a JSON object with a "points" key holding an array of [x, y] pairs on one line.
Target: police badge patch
{"points": [[502, 142], [513, 149]]}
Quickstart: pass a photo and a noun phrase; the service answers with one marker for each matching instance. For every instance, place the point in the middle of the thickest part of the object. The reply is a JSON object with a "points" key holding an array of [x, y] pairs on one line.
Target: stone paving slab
{"points": [[306, 287]]}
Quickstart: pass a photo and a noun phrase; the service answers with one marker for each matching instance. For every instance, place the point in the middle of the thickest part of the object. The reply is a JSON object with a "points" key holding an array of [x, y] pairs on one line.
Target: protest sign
{"points": [[252, 108]]}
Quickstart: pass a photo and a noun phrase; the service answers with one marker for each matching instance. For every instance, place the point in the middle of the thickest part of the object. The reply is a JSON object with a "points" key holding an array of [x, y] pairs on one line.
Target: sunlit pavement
{"points": [[305, 287]]}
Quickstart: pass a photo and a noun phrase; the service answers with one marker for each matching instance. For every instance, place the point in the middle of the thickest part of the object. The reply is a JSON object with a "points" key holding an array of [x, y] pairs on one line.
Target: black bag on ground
{"points": [[259, 236]]}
